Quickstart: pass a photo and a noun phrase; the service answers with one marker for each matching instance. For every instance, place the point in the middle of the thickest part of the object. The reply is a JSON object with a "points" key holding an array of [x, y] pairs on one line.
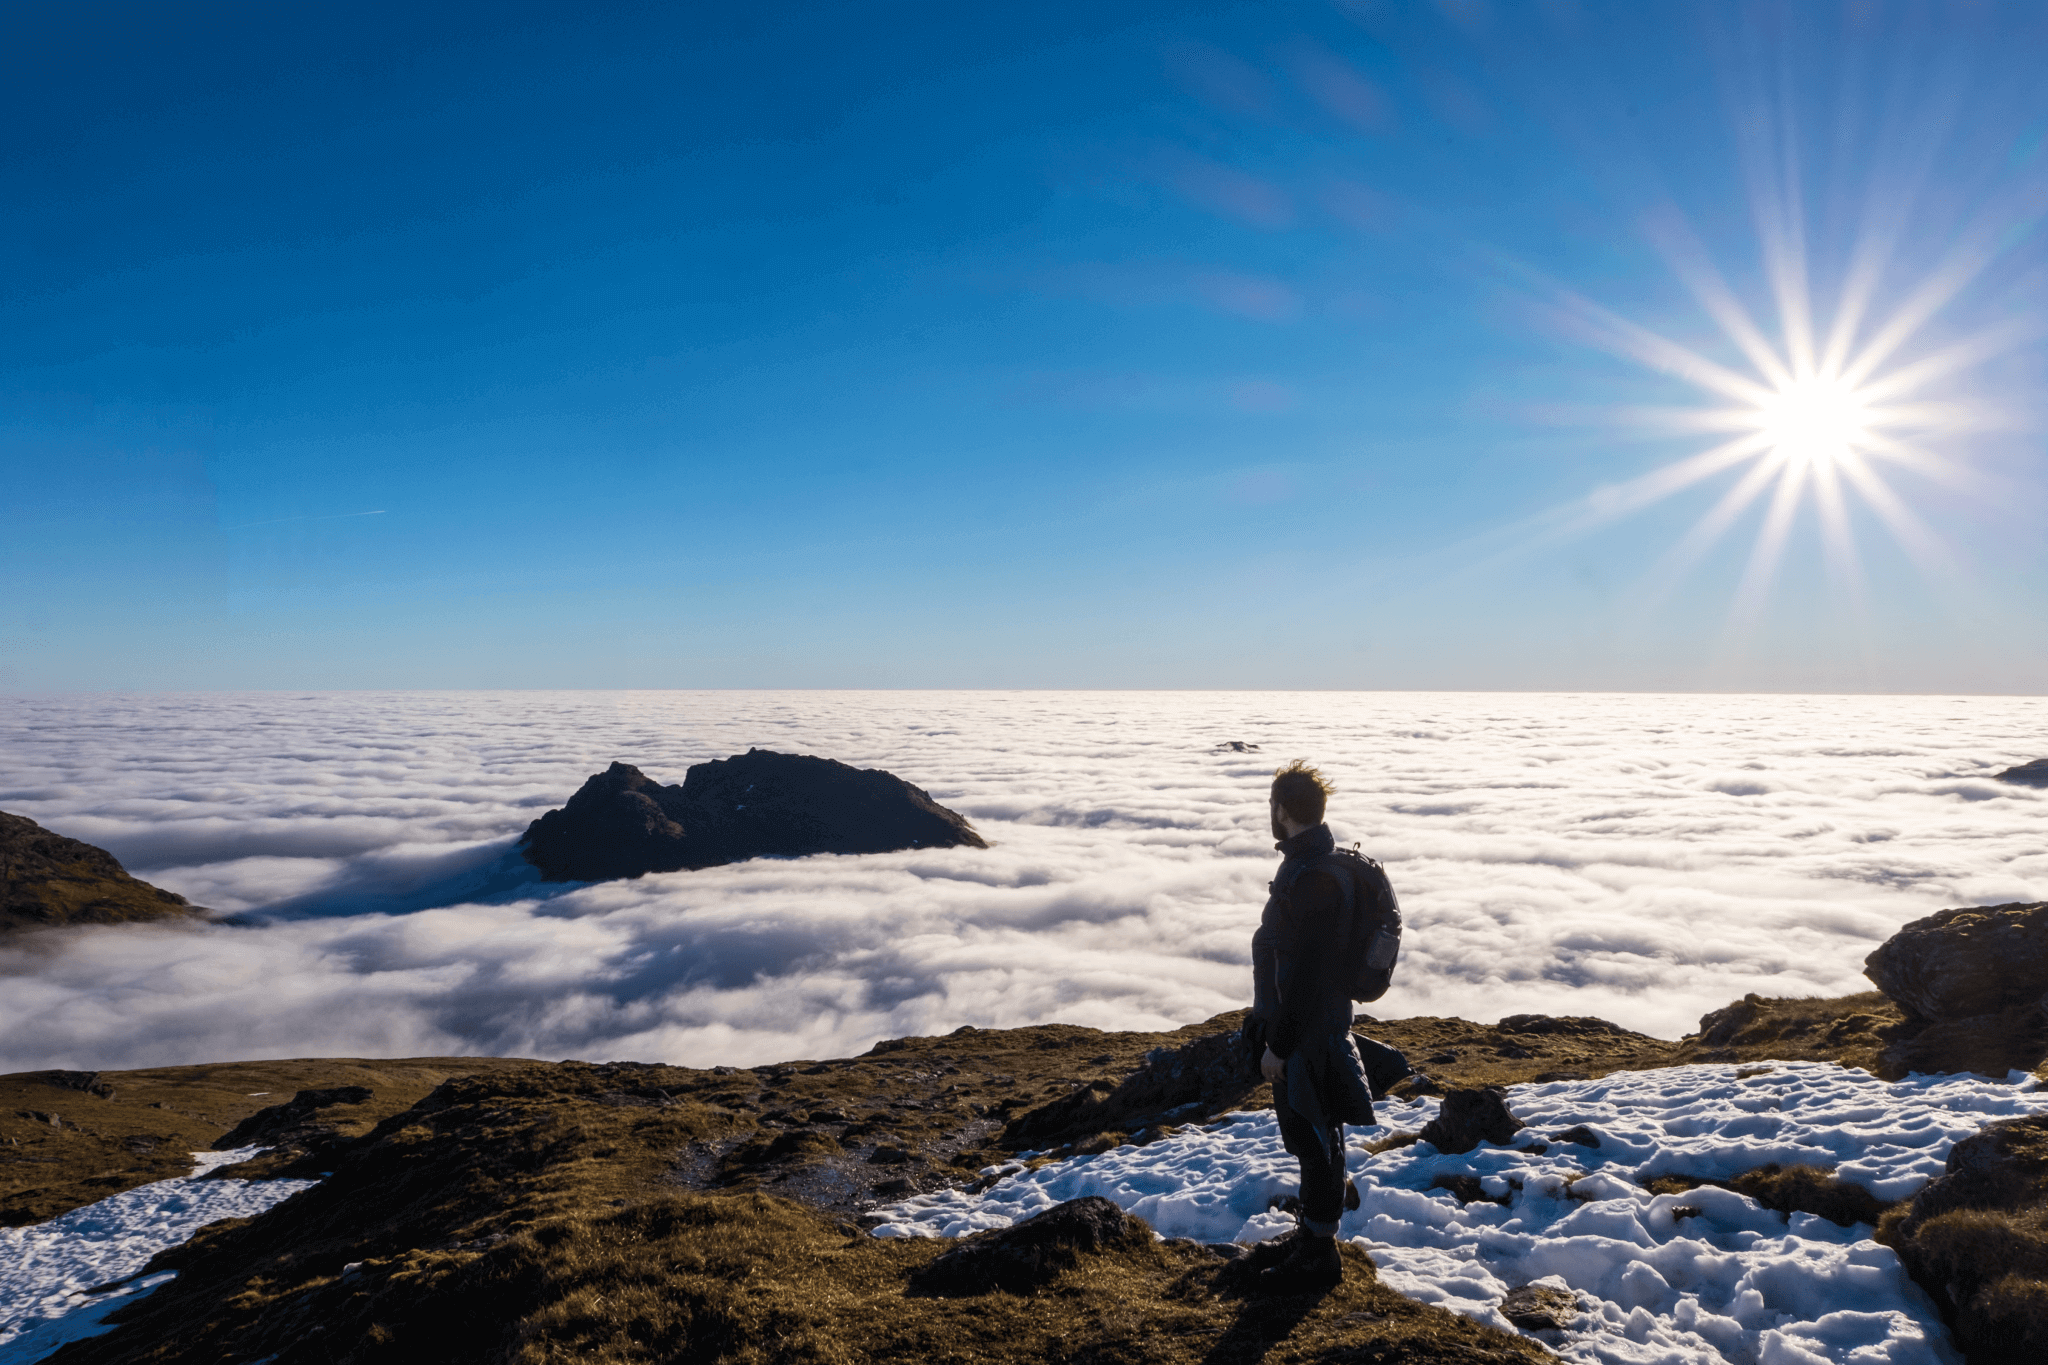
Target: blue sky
{"points": [[1055, 345]]}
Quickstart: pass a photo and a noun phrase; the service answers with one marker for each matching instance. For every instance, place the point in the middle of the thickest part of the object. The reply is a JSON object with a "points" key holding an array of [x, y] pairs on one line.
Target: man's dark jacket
{"points": [[1297, 986]]}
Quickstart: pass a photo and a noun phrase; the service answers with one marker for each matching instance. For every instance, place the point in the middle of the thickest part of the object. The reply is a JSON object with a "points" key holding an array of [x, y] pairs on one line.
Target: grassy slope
{"points": [[540, 1212], [48, 880], [155, 1119]]}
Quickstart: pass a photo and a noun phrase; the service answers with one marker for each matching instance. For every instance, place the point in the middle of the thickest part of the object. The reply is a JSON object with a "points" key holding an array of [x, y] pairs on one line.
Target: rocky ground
{"points": [[495, 1209]]}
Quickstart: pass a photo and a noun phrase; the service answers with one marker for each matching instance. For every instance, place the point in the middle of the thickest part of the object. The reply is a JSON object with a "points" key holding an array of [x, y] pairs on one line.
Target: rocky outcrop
{"points": [[1976, 1238], [295, 1124], [2033, 774], [1972, 984], [1175, 1085], [621, 823], [1469, 1117], [768, 805], [48, 880], [1036, 1251], [1966, 962]]}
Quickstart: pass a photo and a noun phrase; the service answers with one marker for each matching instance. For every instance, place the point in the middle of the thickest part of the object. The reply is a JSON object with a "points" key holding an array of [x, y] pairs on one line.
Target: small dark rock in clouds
{"points": [[2033, 774], [622, 823], [47, 879]]}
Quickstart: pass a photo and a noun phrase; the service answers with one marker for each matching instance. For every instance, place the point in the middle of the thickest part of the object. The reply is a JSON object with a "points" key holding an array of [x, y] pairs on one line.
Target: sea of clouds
{"points": [[1642, 858]]}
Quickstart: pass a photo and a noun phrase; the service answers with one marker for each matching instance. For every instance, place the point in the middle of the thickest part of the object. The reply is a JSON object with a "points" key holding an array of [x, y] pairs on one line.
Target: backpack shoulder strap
{"points": [[1340, 866], [1366, 887]]}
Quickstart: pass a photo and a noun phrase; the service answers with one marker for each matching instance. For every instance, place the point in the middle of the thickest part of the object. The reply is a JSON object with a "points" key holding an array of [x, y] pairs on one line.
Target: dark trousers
{"points": [[1321, 1154]]}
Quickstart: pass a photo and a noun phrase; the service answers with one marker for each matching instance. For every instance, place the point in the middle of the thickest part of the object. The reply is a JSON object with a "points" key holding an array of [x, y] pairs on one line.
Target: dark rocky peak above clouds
{"points": [[761, 804], [47, 879], [2033, 774], [765, 804], [621, 823]]}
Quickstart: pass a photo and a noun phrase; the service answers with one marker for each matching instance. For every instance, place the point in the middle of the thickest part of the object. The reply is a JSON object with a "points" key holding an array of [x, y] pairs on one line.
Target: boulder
{"points": [[1972, 984], [2033, 774], [1470, 1117], [1962, 963], [1465, 1187], [1023, 1257], [2003, 1165], [47, 879], [1540, 1307], [621, 823]]}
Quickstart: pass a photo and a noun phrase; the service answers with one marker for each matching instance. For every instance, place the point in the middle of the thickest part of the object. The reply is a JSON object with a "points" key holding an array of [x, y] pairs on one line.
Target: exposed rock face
{"points": [[1470, 1117], [1031, 1253], [765, 804], [47, 879], [1972, 984], [2033, 774], [1966, 962], [1973, 987], [622, 823]]}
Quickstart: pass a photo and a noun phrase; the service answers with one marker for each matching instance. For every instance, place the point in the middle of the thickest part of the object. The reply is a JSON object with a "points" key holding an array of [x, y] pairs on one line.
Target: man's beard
{"points": [[1279, 830]]}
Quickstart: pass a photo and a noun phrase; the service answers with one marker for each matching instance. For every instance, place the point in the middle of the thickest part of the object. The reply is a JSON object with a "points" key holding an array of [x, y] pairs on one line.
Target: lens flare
{"points": [[1814, 422], [1820, 415]]}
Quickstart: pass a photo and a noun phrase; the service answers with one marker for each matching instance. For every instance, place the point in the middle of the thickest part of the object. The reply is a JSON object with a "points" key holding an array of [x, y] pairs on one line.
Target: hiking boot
{"points": [[1312, 1263], [1271, 1252]]}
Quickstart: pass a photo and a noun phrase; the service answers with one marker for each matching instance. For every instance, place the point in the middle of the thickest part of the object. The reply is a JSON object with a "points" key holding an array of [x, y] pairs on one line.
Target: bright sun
{"points": [[1814, 422], [1823, 408]]}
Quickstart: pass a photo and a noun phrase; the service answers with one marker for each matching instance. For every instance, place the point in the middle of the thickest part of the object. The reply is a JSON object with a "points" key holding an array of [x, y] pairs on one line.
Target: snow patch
{"points": [[1733, 1282], [47, 1270]]}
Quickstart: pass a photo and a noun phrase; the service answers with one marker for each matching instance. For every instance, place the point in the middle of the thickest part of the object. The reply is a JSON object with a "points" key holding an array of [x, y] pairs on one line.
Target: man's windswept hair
{"points": [[1302, 791]]}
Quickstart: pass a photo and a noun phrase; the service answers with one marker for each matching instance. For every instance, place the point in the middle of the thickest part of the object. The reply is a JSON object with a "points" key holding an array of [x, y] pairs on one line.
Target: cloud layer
{"points": [[1643, 858]]}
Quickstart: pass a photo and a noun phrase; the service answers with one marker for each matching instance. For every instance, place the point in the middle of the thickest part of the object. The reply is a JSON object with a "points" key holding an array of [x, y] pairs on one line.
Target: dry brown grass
{"points": [[159, 1116], [518, 1216], [1792, 1189], [1977, 1240], [541, 1212]]}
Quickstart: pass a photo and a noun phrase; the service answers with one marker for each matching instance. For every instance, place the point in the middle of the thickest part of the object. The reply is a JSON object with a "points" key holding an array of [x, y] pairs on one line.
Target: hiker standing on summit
{"points": [[1329, 934]]}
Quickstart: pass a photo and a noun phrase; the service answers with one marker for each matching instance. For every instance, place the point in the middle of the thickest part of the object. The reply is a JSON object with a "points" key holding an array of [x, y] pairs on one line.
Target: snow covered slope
{"points": [[1733, 1282], [46, 1269]]}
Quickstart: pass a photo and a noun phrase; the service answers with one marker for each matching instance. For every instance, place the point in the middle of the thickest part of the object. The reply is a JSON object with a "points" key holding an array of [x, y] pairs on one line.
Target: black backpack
{"points": [[1373, 942]]}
